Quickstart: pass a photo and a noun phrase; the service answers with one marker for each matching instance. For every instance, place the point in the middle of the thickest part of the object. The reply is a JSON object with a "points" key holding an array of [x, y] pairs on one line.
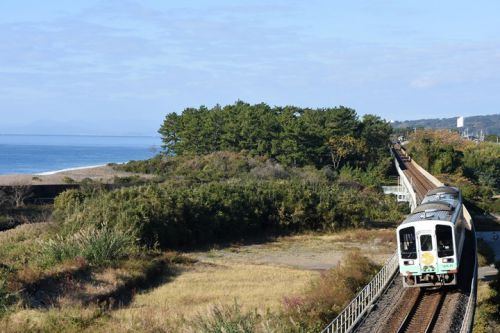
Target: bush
{"points": [[487, 317], [269, 170], [486, 255], [68, 202], [157, 165], [222, 211], [374, 175], [129, 180], [225, 319], [329, 294], [7, 298], [215, 166], [6, 222], [68, 180], [97, 246]]}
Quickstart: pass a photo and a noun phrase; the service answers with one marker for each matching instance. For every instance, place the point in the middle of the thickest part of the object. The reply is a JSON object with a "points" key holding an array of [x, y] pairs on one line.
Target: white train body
{"points": [[431, 239]]}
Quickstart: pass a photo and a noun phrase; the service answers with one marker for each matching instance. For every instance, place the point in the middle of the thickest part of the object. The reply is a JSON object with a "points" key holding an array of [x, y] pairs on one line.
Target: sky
{"points": [[118, 67]]}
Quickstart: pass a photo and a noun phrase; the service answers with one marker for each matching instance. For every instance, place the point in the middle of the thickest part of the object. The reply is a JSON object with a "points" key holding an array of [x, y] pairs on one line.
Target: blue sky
{"points": [[117, 67]]}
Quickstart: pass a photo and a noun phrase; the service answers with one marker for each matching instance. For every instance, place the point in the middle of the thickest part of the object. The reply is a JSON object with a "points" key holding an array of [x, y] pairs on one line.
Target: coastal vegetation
{"points": [[228, 175], [230, 179], [474, 167], [487, 317], [291, 135]]}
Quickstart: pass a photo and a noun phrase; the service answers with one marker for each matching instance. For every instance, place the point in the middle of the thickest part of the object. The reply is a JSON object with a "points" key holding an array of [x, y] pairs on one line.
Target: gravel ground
{"points": [[378, 319]]}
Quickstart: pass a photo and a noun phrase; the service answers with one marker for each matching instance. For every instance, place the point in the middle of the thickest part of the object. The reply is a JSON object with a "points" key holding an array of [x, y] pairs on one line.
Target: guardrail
{"points": [[468, 321], [353, 312], [406, 183]]}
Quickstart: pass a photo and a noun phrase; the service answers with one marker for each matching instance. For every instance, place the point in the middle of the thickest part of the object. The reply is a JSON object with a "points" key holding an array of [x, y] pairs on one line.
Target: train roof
{"points": [[433, 206], [443, 189], [433, 211], [445, 194], [436, 215]]}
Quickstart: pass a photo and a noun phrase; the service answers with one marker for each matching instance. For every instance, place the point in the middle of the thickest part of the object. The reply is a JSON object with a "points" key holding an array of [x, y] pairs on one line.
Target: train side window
{"points": [[407, 243], [444, 240], [426, 242]]}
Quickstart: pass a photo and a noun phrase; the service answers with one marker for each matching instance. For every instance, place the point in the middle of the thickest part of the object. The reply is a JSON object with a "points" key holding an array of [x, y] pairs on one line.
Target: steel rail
{"points": [[426, 303]]}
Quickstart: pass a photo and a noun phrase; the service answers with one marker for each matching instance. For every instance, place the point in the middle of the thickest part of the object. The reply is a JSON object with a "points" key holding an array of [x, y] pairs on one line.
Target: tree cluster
{"points": [[291, 135], [474, 167]]}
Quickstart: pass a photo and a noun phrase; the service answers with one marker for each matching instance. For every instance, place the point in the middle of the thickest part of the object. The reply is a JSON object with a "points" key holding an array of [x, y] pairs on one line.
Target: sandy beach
{"points": [[103, 173]]}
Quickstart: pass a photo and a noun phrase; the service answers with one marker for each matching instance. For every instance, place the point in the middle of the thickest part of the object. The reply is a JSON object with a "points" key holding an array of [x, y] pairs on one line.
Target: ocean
{"points": [[33, 154]]}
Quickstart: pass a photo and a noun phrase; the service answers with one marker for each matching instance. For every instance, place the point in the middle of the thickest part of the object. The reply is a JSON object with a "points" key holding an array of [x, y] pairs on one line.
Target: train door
{"points": [[427, 251]]}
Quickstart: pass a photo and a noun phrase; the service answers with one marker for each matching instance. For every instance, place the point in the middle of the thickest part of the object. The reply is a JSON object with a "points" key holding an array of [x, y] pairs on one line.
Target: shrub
{"points": [[222, 211], [129, 180], [97, 246], [6, 222], [6, 297], [158, 165], [269, 170], [486, 255], [225, 319], [68, 180], [488, 305], [328, 295], [68, 202]]}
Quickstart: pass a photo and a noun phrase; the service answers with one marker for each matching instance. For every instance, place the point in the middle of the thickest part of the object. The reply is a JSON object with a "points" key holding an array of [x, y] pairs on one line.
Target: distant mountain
{"points": [[490, 124]]}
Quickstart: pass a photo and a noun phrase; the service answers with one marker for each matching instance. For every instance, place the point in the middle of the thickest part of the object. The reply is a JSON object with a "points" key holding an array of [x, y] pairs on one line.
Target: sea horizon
{"points": [[90, 135], [35, 154]]}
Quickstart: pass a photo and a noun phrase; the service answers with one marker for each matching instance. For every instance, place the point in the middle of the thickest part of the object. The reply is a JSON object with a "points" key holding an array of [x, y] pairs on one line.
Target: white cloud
{"points": [[424, 82]]}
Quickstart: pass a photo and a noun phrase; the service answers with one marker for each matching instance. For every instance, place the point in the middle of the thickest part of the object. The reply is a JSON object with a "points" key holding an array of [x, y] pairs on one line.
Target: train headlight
{"points": [[448, 260], [408, 262]]}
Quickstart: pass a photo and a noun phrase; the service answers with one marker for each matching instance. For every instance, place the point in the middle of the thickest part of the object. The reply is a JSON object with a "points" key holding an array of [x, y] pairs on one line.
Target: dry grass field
{"points": [[254, 276], [258, 277]]}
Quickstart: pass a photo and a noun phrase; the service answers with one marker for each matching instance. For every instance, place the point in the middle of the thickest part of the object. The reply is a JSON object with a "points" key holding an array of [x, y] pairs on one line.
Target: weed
{"points": [[485, 254], [98, 246], [225, 319], [330, 293], [68, 180]]}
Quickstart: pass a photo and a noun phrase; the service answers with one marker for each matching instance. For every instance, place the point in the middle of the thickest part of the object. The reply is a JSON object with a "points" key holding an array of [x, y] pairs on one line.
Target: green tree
{"points": [[376, 133], [341, 147]]}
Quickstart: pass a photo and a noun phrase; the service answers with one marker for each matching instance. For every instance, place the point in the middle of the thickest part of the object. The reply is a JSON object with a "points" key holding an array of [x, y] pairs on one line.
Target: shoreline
{"points": [[53, 172], [103, 173]]}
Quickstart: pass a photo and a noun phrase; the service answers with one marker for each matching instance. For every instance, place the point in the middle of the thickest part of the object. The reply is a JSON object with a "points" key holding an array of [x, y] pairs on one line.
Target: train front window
{"points": [[407, 243], [444, 240], [426, 243]]}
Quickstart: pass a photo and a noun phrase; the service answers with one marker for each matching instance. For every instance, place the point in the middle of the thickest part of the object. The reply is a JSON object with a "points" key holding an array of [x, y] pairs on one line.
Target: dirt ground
{"points": [[100, 173], [308, 252]]}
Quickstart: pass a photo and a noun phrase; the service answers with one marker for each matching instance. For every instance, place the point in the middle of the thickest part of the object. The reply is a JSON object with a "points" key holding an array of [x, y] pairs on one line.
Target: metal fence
{"points": [[408, 185], [468, 320], [353, 312]]}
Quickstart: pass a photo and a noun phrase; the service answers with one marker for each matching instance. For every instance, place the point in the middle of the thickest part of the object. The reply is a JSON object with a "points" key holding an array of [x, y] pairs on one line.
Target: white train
{"points": [[431, 239]]}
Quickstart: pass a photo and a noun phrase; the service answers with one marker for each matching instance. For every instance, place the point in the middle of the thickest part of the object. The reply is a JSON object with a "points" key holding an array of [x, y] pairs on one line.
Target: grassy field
{"points": [[256, 276]]}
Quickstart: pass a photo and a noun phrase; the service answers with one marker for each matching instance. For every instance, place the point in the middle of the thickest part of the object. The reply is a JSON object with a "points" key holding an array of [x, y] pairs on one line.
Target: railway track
{"points": [[420, 183], [423, 315], [416, 310]]}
